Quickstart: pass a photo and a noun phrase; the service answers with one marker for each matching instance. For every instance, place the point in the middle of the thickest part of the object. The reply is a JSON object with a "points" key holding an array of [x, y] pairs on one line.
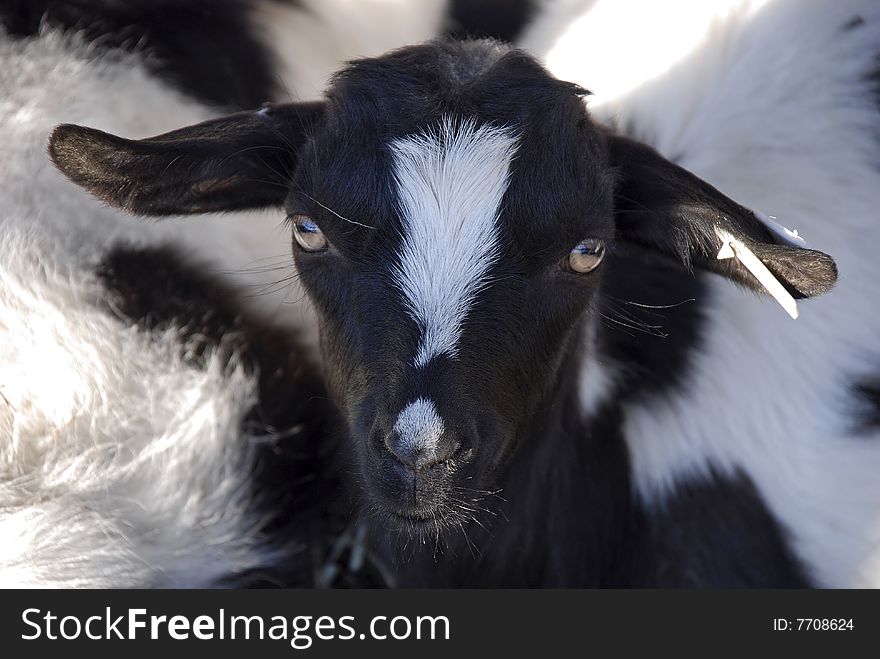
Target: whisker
{"points": [[623, 313], [623, 324], [653, 306], [627, 320], [330, 210], [275, 286]]}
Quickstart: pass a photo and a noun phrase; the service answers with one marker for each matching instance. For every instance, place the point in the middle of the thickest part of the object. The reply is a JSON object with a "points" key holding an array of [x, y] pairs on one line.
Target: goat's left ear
{"points": [[664, 207], [240, 161]]}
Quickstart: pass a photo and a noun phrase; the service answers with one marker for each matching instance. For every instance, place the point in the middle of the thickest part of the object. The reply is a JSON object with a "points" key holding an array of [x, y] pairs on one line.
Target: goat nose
{"points": [[417, 453], [419, 438]]}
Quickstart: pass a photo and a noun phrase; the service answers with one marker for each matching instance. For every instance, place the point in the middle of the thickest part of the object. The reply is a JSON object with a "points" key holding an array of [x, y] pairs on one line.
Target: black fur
{"points": [[566, 516], [497, 19], [664, 207], [652, 317], [867, 397], [873, 80], [183, 171], [717, 533], [207, 49], [509, 399], [854, 23], [873, 77]]}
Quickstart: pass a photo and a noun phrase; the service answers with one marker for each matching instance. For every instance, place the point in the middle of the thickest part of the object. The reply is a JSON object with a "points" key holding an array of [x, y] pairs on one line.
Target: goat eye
{"points": [[586, 255], [308, 234]]}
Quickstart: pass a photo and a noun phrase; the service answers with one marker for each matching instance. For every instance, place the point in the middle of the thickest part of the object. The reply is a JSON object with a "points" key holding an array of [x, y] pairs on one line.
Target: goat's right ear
{"points": [[243, 160], [669, 210]]}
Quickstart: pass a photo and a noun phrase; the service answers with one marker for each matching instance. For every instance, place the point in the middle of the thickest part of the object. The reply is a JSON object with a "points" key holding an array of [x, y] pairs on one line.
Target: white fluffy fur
{"points": [[449, 186], [119, 464], [48, 81], [316, 40], [769, 103]]}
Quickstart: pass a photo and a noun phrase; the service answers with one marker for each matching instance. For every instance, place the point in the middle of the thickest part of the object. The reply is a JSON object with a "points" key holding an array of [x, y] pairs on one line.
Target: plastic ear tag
{"points": [[788, 236], [733, 248]]}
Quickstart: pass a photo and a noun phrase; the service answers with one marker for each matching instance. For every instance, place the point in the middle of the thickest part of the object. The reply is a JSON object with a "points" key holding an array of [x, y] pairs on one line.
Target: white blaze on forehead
{"points": [[420, 428], [450, 184]]}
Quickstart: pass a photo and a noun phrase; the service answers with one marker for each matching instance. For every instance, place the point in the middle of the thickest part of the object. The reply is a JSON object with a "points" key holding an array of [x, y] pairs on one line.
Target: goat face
{"points": [[451, 206], [441, 271]]}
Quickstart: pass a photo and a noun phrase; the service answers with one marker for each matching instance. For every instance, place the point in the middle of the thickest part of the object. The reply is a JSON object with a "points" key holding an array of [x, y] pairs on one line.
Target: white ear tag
{"points": [[734, 248], [788, 236]]}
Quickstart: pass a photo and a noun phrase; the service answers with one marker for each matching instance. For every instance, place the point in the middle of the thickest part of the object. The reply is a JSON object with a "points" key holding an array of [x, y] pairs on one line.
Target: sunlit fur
{"points": [[772, 102]]}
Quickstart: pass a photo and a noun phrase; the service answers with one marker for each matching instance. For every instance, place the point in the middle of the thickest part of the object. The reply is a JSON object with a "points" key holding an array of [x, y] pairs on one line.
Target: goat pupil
{"points": [[586, 255], [308, 234]]}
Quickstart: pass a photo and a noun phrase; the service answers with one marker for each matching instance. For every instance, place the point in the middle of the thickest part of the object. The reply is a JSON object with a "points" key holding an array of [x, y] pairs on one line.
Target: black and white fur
{"points": [[807, 155], [153, 433], [466, 361], [125, 461]]}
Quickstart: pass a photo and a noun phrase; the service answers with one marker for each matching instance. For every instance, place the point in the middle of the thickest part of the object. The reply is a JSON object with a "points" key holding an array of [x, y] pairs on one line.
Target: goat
{"points": [[136, 421], [735, 94], [463, 227], [149, 434]]}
